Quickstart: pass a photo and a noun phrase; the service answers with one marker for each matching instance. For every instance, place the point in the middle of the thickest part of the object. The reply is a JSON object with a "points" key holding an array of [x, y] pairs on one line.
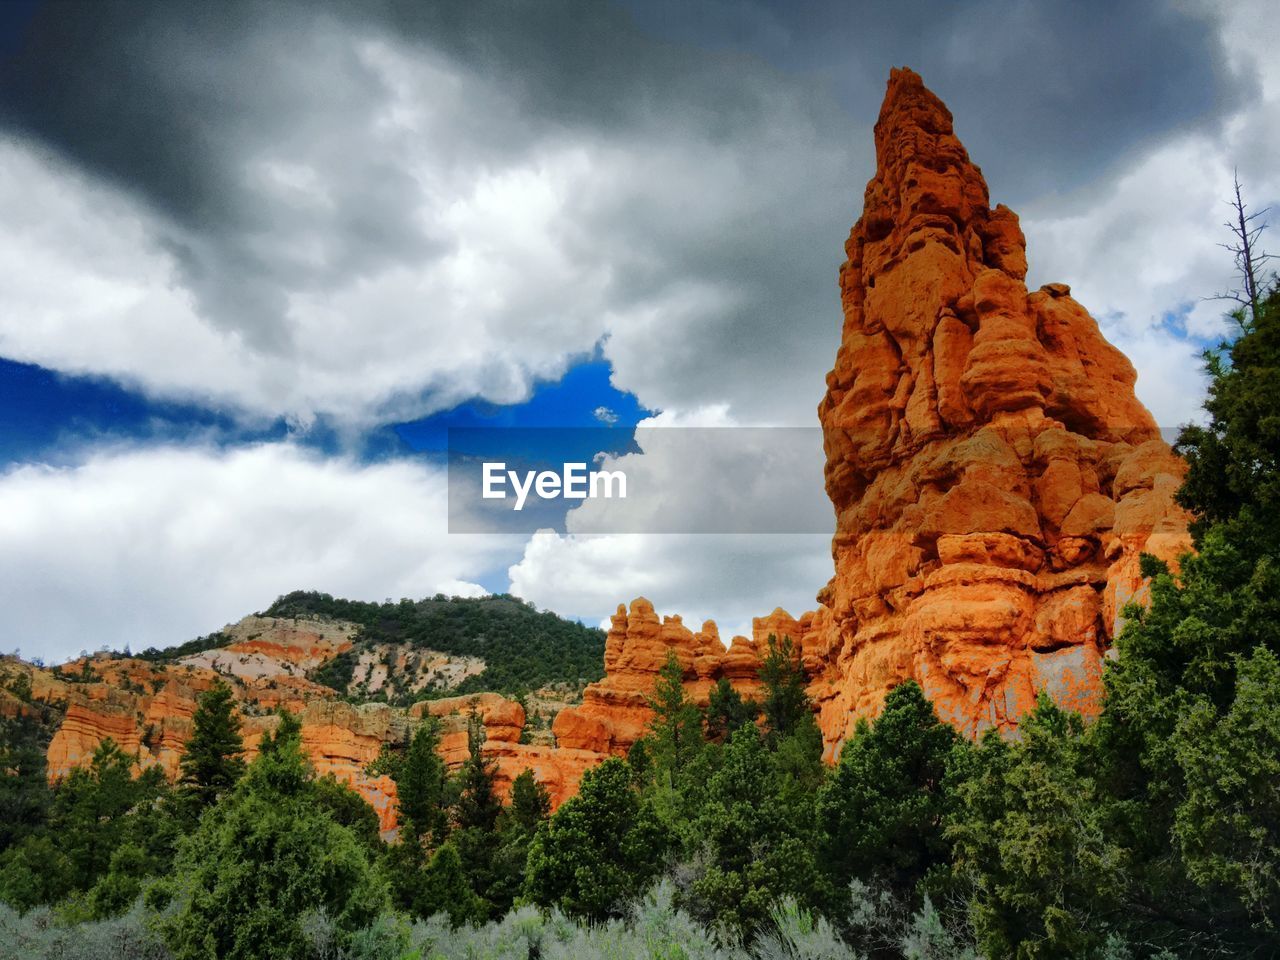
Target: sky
{"points": [[257, 259]]}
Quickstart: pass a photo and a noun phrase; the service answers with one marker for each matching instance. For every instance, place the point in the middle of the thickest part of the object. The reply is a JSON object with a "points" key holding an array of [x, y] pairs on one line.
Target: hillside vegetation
{"points": [[523, 649]]}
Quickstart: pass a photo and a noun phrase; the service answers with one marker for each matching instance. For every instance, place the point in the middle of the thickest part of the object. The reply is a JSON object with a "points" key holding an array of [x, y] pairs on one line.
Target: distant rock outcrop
{"points": [[147, 709], [615, 711]]}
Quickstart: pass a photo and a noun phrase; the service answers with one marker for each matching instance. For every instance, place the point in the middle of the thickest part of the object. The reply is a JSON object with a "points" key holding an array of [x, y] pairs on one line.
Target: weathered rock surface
{"points": [[993, 474], [615, 711], [273, 647], [147, 709]]}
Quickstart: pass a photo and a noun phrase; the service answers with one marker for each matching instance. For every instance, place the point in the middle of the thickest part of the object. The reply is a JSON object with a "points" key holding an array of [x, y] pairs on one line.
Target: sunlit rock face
{"points": [[147, 709], [615, 712], [994, 476]]}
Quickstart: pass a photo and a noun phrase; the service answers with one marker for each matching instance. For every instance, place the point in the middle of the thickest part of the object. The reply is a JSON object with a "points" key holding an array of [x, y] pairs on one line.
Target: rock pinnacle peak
{"points": [[983, 445]]}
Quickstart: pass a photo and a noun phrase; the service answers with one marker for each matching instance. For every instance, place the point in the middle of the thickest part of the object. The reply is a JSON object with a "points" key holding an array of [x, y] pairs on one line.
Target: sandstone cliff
{"points": [[147, 709], [994, 477]]}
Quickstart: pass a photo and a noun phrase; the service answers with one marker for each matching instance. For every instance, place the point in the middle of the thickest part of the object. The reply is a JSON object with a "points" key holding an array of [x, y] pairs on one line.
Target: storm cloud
{"points": [[345, 215], [378, 210]]}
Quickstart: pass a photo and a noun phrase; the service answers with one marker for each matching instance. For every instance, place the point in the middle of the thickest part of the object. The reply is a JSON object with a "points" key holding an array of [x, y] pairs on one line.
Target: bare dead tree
{"points": [[1247, 229]]}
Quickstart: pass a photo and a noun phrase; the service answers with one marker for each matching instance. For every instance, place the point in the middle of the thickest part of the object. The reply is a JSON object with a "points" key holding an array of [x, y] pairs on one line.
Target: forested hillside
{"points": [[523, 649]]}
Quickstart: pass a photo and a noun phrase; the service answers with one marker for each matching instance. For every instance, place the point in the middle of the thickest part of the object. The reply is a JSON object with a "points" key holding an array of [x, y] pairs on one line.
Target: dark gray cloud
{"points": [[303, 159], [1047, 95]]}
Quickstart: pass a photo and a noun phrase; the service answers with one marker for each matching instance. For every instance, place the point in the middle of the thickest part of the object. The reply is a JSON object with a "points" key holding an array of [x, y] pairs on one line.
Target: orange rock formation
{"points": [[993, 474], [147, 709], [994, 477], [615, 711]]}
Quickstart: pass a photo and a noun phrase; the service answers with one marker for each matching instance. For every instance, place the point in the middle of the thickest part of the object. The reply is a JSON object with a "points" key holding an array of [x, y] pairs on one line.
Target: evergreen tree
{"points": [[881, 815], [601, 847], [1227, 825], [785, 703], [24, 790], [421, 786], [753, 848], [261, 860], [212, 761], [1193, 673], [478, 805], [35, 871], [1032, 845], [640, 760], [727, 711], [420, 779], [530, 804], [97, 808], [444, 889], [475, 835], [677, 724], [349, 810]]}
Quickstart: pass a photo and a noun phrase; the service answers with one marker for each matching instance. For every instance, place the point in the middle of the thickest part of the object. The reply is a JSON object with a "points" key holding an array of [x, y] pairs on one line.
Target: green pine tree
{"points": [[750, 846], [212, 761], [882, 813], [676, 727], [478, 805], [785, 704], [261, 860], [475, 835], [1032, 842], [601, 848], [444, 889], [727, 711], [1186, 737], [420, 779], [530, 804]]}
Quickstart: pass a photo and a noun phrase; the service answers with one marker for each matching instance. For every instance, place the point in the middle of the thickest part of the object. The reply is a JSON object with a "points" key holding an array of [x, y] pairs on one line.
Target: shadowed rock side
{"points": [[994, 477]]}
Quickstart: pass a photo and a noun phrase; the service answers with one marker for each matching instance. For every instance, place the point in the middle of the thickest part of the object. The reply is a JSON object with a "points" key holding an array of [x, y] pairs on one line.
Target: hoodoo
{"points": [[993, 474], [994, 477]]}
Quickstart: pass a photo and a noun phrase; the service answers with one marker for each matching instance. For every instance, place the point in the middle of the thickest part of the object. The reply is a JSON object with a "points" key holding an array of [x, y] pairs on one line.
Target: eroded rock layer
{"points": [[147, 709], [993, 474], [615, 712]]}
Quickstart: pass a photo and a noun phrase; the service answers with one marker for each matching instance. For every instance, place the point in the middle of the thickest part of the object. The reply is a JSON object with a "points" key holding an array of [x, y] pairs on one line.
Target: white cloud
{"points": [[701, 466], [156, 546], [1142, 253], [726, 578]]}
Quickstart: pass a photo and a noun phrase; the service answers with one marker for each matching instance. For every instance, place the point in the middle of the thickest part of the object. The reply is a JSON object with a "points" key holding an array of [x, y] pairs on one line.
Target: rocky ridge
{"points": [[147, 709], [994, 477]]}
